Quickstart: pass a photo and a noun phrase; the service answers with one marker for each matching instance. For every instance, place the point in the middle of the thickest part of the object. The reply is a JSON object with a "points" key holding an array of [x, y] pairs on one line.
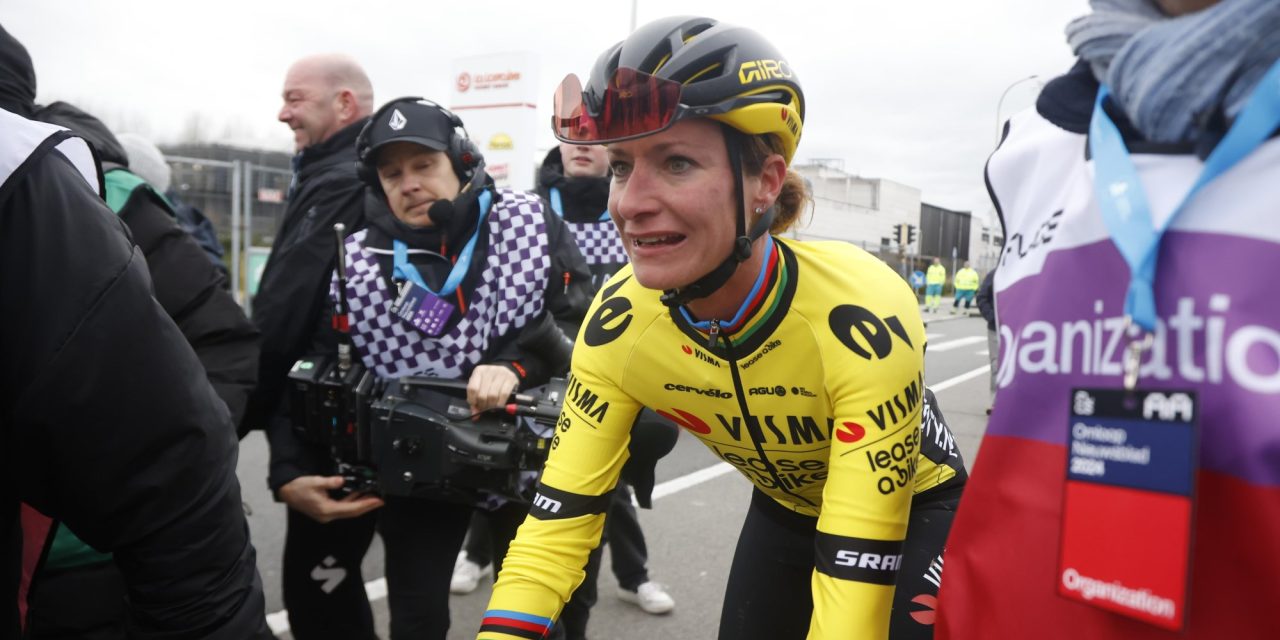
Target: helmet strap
{"points": [[741, 250]]}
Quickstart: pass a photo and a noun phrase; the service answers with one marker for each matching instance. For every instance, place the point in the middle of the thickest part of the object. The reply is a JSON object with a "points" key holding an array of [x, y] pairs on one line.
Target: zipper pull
{"points": [[566, 283], [713, 334]]}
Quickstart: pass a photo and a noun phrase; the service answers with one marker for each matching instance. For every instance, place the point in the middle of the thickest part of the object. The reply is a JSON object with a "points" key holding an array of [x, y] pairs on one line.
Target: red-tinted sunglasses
{"points": [[634, 104]]}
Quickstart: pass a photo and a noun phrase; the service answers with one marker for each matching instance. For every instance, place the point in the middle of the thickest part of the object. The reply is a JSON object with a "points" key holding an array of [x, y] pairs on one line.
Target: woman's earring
{"points": [[759, 210]]}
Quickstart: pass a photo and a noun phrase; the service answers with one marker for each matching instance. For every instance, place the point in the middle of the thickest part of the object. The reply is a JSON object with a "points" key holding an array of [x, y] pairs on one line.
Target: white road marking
{"points": [[964, 377], [955, 344]]}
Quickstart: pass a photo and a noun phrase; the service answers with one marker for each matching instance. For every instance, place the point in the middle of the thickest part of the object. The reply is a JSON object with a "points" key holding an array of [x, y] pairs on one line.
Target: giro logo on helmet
{"points": [[761, 70]]}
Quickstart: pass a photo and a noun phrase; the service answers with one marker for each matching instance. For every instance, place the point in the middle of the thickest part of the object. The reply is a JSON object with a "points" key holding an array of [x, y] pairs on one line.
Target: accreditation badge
{"points": [[421, 309], [1128, 502]]}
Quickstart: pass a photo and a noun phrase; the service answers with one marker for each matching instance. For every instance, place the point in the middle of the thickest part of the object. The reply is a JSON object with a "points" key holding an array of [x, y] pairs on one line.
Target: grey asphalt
{"points": [[690, 533]]}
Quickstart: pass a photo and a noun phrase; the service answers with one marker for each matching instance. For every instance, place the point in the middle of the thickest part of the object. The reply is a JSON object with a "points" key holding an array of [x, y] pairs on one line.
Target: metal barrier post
{"points": [[237, 286]]}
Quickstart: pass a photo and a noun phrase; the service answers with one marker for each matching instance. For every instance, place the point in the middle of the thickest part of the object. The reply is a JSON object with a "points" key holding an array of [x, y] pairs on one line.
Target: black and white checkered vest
{"points": [[510, 293]]}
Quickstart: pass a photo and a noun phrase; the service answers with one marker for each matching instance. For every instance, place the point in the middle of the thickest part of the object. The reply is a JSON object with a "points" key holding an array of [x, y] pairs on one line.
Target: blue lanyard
{"points": [[405, 270], [755, 289], [558, 206], [1123, 201]]}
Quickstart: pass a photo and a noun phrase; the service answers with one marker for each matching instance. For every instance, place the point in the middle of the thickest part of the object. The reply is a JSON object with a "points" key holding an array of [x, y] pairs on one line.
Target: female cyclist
{"points": [[798, 363]]}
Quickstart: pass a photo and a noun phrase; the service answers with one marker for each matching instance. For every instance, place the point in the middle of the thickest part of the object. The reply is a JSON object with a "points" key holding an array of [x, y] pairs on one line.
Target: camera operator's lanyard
{"points": [[422, 307], [1132, 454], [1127, 213], [558, 206]]}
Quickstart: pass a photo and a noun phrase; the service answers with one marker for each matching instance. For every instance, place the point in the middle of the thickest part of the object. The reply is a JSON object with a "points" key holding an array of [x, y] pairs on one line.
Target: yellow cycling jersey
{"points": [[816, 398]]}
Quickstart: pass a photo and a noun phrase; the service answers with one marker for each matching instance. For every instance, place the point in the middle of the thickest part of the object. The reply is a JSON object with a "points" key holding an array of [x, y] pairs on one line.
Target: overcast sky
{"points": [[899, 89]]}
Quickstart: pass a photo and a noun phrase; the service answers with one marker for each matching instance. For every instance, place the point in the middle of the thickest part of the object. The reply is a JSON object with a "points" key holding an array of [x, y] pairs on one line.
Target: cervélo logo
{"points": [[709, 391]]}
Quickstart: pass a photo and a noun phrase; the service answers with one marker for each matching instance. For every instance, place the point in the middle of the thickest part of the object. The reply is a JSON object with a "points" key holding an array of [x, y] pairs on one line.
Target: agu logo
{"points": [[464, 82], [850, 432]]}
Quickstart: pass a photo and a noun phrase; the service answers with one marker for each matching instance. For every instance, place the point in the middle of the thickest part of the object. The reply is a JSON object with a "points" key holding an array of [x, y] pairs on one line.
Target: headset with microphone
{"points": [[421, 121], [415, 119]]}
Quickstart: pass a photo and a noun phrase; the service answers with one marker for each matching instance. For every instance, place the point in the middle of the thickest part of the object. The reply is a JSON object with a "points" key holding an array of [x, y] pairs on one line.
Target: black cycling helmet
{"points": [[688, 67], [681, 67]]}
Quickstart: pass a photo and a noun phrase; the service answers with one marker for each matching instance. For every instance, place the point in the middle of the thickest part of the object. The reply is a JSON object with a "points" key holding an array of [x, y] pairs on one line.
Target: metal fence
{"points": [[246, 204], [244, 201]]}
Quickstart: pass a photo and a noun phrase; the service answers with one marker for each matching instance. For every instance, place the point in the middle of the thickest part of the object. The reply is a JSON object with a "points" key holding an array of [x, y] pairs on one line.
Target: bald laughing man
{"points": [[327, 99]]}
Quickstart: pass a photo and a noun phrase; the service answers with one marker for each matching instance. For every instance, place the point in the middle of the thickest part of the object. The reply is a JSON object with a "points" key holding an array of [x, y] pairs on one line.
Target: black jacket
{"points": [[107, 420], [187, 285], [987, 300], [292, 308]]}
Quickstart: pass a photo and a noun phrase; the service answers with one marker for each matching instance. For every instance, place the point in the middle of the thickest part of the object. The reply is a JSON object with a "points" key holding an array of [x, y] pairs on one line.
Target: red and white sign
{"points": [[496, 97]]}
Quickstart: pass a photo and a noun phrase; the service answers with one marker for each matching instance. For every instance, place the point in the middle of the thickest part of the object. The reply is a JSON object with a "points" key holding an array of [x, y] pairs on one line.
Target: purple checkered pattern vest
{"points": [[599, 242], [511, 292]]}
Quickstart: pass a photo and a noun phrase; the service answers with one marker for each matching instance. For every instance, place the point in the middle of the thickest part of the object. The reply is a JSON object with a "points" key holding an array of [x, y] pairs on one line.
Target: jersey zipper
{"points": [[752, 425], [713, 333]]}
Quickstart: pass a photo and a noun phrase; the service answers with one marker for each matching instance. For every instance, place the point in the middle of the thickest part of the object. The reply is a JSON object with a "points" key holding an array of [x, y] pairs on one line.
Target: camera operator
{"points": [[495, 269]]}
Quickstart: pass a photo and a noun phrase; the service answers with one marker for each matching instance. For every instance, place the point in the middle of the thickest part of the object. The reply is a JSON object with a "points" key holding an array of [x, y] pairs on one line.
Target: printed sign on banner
{"points": [[496, 96], [1127, 508]]}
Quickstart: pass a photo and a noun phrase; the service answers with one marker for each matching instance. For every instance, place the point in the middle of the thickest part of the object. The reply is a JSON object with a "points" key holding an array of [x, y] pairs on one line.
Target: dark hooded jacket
{"points": [[17, 77], [189, 288], [107, 420], [292, 306]]}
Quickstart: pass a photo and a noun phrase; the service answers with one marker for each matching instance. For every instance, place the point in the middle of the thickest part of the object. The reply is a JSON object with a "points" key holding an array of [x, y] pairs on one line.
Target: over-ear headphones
{"points": [[415, 119]]}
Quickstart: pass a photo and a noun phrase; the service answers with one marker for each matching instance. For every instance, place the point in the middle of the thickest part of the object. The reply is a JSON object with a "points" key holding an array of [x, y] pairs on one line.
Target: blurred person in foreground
{"points": [[109, 425], [81, 592], [1129, 482]]}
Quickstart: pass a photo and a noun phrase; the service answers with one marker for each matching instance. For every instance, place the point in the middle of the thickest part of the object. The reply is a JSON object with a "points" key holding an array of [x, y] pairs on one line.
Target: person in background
{"points": [[327, 100], [966, 283], [934, 280], [987, 307], [148, 162]]}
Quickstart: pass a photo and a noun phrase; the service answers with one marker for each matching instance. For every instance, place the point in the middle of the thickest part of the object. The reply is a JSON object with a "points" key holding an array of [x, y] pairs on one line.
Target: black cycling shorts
{"points": [[769, 595]]}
